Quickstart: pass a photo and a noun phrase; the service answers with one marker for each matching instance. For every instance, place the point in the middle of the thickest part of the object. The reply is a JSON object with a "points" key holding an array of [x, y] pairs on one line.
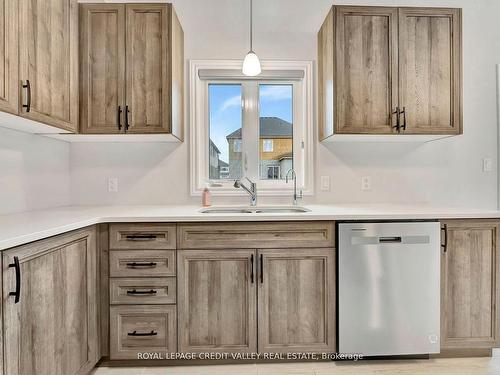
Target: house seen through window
{"points": [[231, 141]]}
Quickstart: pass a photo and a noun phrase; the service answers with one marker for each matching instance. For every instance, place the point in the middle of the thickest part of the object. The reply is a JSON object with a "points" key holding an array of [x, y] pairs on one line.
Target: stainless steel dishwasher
{"points": [[389, 292]]}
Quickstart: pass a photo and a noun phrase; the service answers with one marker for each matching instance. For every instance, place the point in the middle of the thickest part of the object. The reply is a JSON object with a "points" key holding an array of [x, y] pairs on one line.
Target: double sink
{"points": [[255, 210]]}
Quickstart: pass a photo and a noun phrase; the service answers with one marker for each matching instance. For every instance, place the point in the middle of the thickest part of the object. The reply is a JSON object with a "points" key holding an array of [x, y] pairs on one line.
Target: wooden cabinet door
{"points": [[431, 70], [366, 69], [53, 327], [217, 301], [147, 63], [48, 59], [9, 87], [102, 68], [326, 74], [469, 285], [296, 300]]}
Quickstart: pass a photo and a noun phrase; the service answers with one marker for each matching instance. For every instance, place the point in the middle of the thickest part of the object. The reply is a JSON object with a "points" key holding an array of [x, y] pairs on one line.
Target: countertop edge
{"points": [[53, 230]]}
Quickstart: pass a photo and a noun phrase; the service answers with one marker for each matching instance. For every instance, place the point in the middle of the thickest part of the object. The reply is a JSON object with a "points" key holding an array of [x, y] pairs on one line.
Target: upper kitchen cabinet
{"points": [[39, 65], [363, 79], [48, 62], [9, 88], [389, 71], [430, 67], [132, 68]]}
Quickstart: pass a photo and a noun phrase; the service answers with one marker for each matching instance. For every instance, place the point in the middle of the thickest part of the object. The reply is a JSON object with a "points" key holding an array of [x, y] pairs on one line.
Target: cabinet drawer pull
{"points": [[141, 292], [251, 269], [261, 268], [444, 245], [140, 237], [119, 117], [403, 112], [397, 112], [17, 293], [135, 333], [27, 86], [127, 111], [141, 264]]}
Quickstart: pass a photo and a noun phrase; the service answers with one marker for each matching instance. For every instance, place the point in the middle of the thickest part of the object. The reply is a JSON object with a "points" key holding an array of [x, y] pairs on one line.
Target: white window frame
{"points": [[303, 134], [269, 142]]}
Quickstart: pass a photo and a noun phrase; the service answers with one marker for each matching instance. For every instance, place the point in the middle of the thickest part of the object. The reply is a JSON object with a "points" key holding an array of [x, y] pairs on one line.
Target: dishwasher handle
{"points": [[396, 239]]}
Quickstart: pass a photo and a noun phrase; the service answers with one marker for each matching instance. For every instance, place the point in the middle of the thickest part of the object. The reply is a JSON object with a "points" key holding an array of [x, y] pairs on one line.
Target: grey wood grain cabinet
{"points": [[48, 62], [217, 301], [132, 69], [239, 293], [387, 70], [39, 61], [470, 292], [53, 327], [296, 300], [9, 60]]}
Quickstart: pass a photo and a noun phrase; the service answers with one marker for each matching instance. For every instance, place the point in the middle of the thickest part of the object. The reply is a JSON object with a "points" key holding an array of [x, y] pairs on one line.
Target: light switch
{"points": [[487, 165], [113, 184], [366, 183], [325, 183]]}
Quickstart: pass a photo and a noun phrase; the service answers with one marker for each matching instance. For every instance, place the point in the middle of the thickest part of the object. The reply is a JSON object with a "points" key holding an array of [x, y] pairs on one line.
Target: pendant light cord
{"points": [[251, 25]]}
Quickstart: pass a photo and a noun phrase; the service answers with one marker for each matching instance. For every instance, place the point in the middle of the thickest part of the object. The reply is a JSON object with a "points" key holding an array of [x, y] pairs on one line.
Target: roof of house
{"points": [[270, 127], [222, 163], [212, 144]]}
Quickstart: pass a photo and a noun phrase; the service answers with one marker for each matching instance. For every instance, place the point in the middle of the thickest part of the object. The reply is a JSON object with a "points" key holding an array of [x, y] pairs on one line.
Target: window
{"points": [[258, 127], [267, 145], [273, 172], [225, 127], [237, 145]]}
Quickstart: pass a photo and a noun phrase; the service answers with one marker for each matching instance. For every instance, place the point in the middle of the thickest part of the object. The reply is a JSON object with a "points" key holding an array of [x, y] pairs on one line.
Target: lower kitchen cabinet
{"points": [[217, 301], [296, 303], [50, 306], [142, 328], [470, 276]]}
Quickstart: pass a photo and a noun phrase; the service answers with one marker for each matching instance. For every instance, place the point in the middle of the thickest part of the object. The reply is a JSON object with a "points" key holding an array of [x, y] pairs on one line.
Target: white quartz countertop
{"points": [[19, 229]]}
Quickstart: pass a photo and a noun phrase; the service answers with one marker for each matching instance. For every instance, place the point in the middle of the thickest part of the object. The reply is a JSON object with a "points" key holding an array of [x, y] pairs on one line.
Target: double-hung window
{"points": [[258, 127]]}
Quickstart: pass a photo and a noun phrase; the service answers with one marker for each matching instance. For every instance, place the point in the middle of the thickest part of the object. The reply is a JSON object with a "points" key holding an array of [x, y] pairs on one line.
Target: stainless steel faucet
{"points": [[252, 191], [295, 195]]}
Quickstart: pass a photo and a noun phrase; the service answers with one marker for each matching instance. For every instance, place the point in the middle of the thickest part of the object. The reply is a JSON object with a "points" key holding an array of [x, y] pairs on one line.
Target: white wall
{"points": [[447, 172], [34, 172]]}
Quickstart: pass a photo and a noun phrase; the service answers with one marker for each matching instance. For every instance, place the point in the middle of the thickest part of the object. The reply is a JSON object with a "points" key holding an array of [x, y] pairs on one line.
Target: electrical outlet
{"points": [[487, 165], [366, 183], [113, 184], [325, 183]]}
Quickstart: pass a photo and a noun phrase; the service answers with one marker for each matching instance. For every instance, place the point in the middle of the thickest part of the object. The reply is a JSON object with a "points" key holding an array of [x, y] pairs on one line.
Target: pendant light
{"points": [[251, 64]]}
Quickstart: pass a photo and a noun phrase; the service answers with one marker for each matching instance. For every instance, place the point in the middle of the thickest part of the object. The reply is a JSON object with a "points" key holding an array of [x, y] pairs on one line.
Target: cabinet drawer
{"points": [[135, 291], [141, 263], [144, 328], [141, 236], [256, 235]]}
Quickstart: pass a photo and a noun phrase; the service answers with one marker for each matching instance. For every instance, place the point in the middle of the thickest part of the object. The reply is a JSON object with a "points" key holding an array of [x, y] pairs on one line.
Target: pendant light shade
{"points": [[251, 64]]}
